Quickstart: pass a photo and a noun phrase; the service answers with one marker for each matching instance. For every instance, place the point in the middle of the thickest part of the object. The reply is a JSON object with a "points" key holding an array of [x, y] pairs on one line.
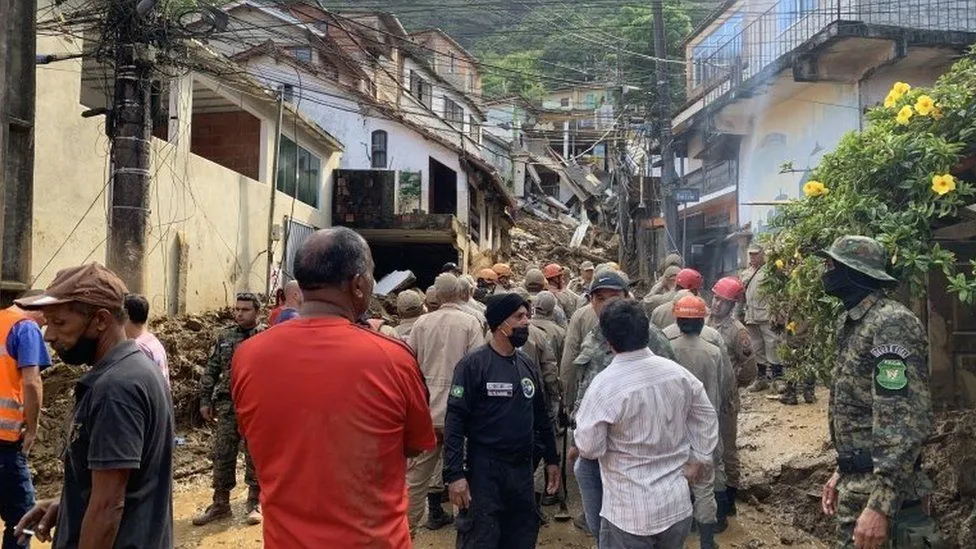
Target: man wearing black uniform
{"points": [[497, 403]]}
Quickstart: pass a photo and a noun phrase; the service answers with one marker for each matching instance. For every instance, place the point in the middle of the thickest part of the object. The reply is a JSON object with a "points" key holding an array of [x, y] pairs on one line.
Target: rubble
{"points": [[536, 242], [188, 341]]}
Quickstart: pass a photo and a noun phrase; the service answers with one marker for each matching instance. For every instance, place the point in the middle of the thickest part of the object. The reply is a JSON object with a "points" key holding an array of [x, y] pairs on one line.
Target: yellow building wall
{"points": [[222, 216]]}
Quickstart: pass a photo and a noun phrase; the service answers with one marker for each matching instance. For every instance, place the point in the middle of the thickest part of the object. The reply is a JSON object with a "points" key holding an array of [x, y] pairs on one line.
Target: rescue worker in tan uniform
{"points": [[687, 281], [440, 339], [705, 361], [725, 294], [581, 284], [663, 285], [534, 283], [759, 322], [543, 318], [664, 293], [504, 272], [409, 306], [555, 276]]}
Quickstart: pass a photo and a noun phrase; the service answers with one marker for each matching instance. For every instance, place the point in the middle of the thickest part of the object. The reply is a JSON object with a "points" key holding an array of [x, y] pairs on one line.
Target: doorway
{"points": [[443, 189]]}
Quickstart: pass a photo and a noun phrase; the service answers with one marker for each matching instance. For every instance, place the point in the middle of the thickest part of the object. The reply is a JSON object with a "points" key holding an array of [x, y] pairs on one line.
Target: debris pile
{"points": [[949, 458], [536, 242], [188, 341]]}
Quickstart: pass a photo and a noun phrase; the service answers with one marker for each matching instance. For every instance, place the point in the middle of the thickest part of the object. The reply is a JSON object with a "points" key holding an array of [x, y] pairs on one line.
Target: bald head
{"points": [[331, 257], [293, 294]]}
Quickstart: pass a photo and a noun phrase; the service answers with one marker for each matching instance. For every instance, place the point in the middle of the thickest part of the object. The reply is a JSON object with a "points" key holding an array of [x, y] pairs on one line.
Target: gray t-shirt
{"points": [[123, 419]]}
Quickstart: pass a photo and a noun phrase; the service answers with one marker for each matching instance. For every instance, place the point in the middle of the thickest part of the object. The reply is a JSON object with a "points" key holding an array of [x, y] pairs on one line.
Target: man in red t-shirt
{"points": [[331, 425]]}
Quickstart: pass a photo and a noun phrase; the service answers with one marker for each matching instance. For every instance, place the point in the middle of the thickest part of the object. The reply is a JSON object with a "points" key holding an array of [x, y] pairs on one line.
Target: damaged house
{"points": [[773, 85], [413, 180]]}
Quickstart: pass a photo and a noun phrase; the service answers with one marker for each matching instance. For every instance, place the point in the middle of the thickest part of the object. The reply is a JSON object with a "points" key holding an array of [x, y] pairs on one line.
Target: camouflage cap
{"points": [[755, 248], [861, 253]]}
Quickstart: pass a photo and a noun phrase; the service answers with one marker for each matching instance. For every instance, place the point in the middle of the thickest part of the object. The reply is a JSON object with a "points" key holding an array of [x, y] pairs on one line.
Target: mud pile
{"points": [[949, 458], [188, 341], [536, 243]]}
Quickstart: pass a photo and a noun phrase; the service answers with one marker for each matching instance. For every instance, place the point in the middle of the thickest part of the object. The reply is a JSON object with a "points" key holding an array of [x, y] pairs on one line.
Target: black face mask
{"points": [[82, 352], [849, 286], [519, 336]]}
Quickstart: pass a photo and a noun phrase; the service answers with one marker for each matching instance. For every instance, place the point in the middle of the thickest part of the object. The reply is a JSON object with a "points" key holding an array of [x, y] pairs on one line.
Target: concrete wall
{"points": [[462, 135], [789, 131], [218, 216]]}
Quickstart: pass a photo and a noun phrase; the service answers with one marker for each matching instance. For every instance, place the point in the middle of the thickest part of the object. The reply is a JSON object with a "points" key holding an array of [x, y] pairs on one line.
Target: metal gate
{"points": [[296, 233]]}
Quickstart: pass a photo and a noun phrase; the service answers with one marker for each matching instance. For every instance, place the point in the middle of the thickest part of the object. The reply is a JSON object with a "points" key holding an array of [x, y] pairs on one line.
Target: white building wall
{"points": [[328, 105], [790, 131]]}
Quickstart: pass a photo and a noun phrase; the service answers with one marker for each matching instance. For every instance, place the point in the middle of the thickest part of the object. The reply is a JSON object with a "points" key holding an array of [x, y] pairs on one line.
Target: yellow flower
{"points": [[900, 89], [937, 113], [942, 184], [795, 273], [904, 115], [780, 264], [814, 188], [791, 327], [797, 256], [890, 100], [924, 105]]}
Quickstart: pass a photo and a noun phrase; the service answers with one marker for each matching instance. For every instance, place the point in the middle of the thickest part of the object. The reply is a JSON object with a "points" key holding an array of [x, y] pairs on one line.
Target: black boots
{"points": [[706, 536], [809, 387], [722, 512], [436, 517], [789, 395], [730, 494]]}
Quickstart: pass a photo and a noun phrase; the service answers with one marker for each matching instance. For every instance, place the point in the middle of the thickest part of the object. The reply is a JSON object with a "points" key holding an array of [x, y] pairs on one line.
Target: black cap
{"points": [[608, 281], [450, 267]]}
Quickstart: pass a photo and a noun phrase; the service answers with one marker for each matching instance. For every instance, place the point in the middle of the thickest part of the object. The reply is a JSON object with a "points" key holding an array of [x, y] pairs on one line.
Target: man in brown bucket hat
{"points": [[118, 457]]}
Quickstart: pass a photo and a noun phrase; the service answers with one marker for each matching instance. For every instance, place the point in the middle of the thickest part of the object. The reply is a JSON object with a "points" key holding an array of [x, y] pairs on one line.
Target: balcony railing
{"points": [[712, 178], [788, 24]]}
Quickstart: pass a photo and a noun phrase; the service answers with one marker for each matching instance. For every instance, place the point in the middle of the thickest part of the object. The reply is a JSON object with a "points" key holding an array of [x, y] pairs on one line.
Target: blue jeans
{"points": [[16, 492], [591, 491]]}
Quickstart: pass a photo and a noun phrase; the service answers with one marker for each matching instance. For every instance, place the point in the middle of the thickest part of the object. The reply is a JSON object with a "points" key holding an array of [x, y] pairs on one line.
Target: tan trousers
{"points": [[728, 432], [424, 476]]}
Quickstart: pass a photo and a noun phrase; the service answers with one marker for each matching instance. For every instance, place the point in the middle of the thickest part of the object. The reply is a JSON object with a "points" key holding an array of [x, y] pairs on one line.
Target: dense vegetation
{"points": [[528, 47], [896, 180]]}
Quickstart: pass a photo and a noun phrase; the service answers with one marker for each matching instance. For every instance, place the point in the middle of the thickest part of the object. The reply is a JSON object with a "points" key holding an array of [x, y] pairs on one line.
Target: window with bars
{"points": [[302, 54], [453, 112], [378, 150], [473, 128], [421, 89]]}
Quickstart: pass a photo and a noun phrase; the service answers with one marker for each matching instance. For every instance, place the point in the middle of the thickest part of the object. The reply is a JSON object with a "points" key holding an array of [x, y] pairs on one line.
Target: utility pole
{"points": [[130, 125], [17, 97], [274, 190], [669, 179]]}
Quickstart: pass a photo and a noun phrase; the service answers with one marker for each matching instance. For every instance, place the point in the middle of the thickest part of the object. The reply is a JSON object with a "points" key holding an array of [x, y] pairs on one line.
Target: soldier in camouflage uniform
{"points": [[216, 405], [880, 406], [594, 356], [725, 294]]}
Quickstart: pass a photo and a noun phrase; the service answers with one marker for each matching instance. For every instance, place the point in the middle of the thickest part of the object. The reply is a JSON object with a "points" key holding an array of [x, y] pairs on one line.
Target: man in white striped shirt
{"points": [[651, 426]]}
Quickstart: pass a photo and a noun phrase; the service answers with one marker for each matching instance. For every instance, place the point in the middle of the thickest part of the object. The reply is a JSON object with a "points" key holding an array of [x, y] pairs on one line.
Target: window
{"points": [[714, 56], [288, 93], [302, 54], [299, 172], [791, 11], [453, 112], [420, 89], [453, 64], [564, 102], [473, 128], [379, 149]]}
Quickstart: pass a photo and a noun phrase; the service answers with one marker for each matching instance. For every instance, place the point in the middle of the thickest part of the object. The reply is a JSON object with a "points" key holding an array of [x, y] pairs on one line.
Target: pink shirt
{"points": [[155, 351]]}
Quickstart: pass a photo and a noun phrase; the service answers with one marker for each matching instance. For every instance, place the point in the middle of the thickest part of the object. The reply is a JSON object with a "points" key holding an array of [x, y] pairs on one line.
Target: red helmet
{"points": [[690, 306], [729, 288], [689, 279], [552, 270]]}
